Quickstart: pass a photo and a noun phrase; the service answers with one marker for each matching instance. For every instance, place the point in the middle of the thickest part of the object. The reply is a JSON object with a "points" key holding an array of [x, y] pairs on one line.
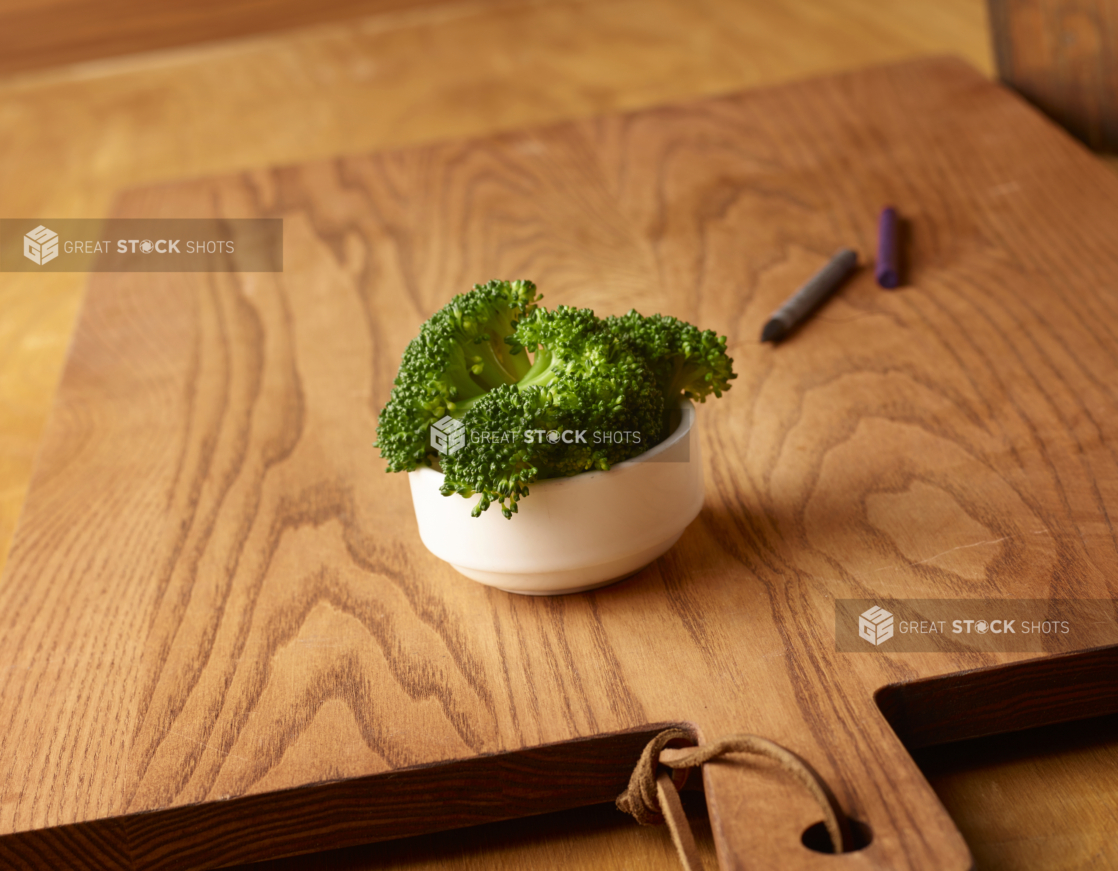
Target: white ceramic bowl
{"points": [[570, 534]]}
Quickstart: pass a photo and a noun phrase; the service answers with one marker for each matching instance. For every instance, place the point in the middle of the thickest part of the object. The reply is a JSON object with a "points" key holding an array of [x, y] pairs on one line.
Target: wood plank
{"points": [[1063, 56], [256, 518], [38, 35]]}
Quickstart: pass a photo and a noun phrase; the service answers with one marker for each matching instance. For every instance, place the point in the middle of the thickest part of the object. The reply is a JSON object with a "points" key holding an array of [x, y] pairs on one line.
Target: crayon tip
{"points": [[887, 269], [774, 331], [888, 278]]}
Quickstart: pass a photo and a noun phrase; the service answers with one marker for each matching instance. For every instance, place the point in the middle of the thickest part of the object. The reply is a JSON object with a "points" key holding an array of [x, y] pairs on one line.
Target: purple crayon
{"points": [[888, 267]]}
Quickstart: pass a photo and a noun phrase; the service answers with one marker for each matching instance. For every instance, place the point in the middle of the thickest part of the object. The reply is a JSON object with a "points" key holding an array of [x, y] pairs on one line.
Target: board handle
{"points": [[762, 818]]}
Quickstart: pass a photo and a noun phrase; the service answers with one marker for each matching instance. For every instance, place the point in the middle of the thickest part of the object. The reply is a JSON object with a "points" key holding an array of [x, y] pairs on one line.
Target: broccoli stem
{"points": [[460, 379], [497, 366], [540, 372], [683, 375], [515, 365]]}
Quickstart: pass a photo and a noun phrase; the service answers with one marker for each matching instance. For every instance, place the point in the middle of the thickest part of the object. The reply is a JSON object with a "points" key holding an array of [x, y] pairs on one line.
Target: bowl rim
{"points": [[686, 424]]}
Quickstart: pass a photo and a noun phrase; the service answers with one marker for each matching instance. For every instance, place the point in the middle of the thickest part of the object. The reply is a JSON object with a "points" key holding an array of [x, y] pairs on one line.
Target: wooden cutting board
{"points": [[222, 639]]}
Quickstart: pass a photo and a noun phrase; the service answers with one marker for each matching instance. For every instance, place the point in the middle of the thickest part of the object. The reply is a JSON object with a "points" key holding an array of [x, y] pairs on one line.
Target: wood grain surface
{"points": [[392, 79], [1063, 56], [72, 138], [217, 604], [48, 33]]}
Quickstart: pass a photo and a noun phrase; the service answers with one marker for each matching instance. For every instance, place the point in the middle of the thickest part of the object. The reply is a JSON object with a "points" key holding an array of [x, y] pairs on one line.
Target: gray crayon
{"points": [[809, 297]]}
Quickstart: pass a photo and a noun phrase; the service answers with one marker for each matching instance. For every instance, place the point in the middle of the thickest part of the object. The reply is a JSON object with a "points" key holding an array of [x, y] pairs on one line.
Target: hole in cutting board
{"points": [[815, 837]]}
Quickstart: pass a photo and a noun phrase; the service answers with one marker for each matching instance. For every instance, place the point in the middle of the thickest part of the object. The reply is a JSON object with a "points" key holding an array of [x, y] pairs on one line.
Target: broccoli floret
{"points": [[460, 354], [500, 467], [588, 401], [541, 394], [688, 362]]}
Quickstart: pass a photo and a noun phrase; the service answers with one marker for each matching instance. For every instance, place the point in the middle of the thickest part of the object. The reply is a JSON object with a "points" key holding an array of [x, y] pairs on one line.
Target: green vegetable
{"points": [[541, 394], [688, 362], [459, 355]]}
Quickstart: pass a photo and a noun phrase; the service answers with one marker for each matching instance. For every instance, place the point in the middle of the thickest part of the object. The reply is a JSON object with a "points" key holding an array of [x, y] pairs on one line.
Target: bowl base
{"points": [[596, 585], [572, 580]]}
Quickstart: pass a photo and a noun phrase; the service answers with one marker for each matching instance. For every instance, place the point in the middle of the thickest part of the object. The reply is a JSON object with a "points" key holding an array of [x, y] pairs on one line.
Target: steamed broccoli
{"points": [[460, 354], [541, 394], [688, 362], [585, 380]]}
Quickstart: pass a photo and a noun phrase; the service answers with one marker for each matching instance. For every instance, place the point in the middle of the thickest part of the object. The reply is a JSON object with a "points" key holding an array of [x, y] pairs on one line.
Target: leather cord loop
{"points": [[653, 797], [640, 800]]}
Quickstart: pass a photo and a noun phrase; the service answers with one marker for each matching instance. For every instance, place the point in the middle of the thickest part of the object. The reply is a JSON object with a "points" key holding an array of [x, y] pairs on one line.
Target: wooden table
{"points": [[141, 120]]}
